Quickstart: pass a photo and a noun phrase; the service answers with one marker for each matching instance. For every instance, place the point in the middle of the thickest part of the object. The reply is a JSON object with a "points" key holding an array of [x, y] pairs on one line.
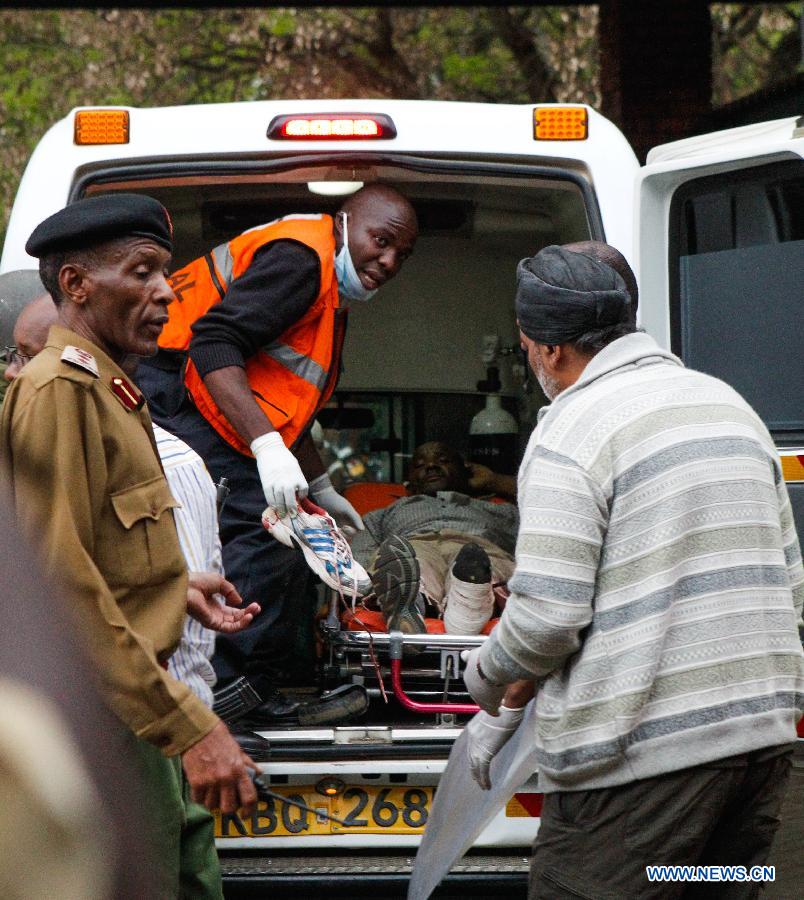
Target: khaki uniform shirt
{"points": [[90, 494], [3, 382]]}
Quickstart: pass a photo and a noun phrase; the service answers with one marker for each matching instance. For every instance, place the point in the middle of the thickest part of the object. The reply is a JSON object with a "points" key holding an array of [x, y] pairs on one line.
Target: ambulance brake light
{"points": [[101, 126], [332, 127], [560, 123]]}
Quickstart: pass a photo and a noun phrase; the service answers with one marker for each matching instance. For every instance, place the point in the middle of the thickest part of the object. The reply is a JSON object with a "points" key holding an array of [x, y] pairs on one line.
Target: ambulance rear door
{"points": [[720, 247]]}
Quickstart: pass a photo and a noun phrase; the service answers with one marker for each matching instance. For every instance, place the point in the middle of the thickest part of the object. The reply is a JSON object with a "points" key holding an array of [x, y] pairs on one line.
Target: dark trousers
{"points": [[278, 643], [596, 844]]}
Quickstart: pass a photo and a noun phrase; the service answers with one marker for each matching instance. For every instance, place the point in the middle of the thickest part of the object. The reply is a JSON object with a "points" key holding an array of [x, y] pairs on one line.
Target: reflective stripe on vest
{"points": [[222, 256], [298, 363]]}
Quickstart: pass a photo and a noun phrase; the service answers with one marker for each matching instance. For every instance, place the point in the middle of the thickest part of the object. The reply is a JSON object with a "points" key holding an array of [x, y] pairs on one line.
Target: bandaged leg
{"points": [[469, 595]]}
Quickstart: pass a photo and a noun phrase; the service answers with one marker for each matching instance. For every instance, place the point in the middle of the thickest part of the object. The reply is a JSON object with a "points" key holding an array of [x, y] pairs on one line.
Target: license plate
{"points": [[367, 809]]}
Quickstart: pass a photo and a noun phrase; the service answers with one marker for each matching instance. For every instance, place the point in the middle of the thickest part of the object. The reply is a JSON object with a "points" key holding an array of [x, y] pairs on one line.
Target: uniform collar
{"points": [[109, 373], [60, 337]]}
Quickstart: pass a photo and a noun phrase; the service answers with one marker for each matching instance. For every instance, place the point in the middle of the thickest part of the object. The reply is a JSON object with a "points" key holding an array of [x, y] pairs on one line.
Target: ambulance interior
{"points": [[420, 359]]}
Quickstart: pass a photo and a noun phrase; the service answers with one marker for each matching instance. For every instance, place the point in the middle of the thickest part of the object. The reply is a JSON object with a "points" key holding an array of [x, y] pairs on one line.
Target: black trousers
{"points": [[278, 645], [596, 844]]}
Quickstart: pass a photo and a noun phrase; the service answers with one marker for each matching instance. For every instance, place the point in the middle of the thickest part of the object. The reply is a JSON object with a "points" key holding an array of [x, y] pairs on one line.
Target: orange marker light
{"points": [[330, 786], [332, 126], [101, 126], [560, 123]]}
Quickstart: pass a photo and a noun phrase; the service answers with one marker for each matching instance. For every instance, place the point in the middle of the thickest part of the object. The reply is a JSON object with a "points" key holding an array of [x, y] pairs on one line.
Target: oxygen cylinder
{"points": [[494, 437]]}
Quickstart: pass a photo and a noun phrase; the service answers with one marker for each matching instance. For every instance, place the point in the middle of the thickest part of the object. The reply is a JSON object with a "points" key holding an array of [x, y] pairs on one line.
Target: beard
{"points": [[549, 385]]}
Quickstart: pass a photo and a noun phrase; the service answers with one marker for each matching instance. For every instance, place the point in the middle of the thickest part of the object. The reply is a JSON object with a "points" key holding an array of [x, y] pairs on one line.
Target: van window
{"points": [[736, 271]]}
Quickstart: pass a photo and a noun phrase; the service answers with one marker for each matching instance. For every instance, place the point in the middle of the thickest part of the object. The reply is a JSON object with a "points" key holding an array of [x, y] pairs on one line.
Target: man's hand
{"points": [[487, 736], [216, 770], [482, 480], [203, 588], [280, 474], [485, 693], [341, 510]]}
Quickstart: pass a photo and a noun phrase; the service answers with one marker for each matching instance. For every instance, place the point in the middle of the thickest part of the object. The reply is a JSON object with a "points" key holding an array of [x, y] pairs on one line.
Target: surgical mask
{"points": [[349, 284]]}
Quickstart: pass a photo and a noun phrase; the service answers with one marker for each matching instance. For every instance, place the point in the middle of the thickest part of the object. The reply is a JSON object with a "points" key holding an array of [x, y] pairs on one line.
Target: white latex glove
{"points": [[487, 736], [337, 506], [486, 694], [280, 473]]}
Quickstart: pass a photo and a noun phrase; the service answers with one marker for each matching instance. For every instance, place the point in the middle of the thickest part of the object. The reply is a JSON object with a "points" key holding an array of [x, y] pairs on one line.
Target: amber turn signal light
{"points": [[560, 123], [101, 126]]}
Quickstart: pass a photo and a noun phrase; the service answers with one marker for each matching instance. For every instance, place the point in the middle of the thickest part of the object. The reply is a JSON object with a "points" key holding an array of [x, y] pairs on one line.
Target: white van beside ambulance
{"points": [[713, 225]]}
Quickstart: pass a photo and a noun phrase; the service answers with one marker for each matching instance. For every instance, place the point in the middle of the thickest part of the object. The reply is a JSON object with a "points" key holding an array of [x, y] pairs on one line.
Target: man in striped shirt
{"points": [[655, 603], [197, 525]]}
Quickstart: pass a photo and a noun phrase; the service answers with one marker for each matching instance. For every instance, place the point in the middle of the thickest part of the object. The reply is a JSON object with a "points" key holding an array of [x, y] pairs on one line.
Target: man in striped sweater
{"points": [[655, 603]]}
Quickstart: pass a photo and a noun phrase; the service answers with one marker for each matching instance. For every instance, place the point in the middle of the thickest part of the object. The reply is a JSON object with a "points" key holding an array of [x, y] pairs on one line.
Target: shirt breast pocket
{"points": [[147, 549]]}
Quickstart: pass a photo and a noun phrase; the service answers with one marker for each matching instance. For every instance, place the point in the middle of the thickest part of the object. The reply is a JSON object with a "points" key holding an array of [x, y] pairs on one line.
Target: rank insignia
{"points": [[75, 356], [127, 394]]}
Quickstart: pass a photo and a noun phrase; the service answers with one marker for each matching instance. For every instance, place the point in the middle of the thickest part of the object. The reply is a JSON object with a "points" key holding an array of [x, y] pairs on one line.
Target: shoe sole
{"points": [[338, 707], [395, 580]]}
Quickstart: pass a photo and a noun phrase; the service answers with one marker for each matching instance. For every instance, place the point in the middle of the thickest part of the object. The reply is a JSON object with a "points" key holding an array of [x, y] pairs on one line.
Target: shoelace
{"points": [[333, 549], [326, 545]]}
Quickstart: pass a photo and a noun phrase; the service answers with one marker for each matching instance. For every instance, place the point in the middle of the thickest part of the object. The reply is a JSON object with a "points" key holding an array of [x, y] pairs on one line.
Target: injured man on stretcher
{"points": [[439, 552]]}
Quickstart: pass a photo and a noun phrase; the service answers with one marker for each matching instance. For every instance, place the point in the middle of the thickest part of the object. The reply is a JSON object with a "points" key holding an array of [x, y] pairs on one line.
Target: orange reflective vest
{"points": [[292, 377]]}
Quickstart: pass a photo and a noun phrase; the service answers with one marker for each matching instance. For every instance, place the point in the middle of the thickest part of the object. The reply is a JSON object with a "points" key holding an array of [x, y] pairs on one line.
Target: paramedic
{"points": [[251, 351], [655, 602], [90, 494]]}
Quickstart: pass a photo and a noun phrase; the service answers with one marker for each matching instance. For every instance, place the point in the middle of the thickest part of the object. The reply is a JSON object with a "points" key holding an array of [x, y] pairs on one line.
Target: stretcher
{"points": [[422, 673]]}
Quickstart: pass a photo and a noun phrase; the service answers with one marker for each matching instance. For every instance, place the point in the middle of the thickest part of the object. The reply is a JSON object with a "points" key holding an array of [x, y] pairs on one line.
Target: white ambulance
{"points": [[714, 227]]}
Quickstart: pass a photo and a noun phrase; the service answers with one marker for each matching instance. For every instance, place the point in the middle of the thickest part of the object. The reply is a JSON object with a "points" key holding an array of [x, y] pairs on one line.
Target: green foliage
{"points": [[753, 47], [476, 75], [284, 25]]}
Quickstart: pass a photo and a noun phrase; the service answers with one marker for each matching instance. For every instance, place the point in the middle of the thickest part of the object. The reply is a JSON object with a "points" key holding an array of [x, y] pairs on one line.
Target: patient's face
{"points": [[437, 467]]}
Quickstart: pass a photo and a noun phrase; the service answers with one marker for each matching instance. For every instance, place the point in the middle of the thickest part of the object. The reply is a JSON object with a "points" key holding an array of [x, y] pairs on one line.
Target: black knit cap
{"points": [[561, 295], [95, 220]]}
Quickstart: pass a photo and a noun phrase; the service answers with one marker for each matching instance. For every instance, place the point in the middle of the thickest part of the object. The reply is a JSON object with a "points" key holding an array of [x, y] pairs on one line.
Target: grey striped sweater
{"points": [[658, 581]]}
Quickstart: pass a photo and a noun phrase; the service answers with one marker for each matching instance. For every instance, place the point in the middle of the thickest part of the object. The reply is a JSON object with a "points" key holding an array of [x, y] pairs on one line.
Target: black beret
{"points": [[95, 220]]}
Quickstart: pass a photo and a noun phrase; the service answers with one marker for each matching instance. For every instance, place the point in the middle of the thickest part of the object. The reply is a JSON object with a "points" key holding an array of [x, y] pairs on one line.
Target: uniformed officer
{"points": [[251, 352], [90, 495]]}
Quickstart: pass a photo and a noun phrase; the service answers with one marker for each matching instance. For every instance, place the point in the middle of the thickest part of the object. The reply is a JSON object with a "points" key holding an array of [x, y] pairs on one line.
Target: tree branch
{"points": [[517, 37]]}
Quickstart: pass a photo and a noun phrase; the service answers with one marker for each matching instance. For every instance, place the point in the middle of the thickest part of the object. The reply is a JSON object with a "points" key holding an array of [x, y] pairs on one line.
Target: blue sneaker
{"points": [[324, 546]]}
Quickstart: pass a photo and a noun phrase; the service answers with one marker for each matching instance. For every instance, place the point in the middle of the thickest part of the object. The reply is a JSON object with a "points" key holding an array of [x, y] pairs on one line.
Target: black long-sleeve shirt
{"points": [[276, 290]]}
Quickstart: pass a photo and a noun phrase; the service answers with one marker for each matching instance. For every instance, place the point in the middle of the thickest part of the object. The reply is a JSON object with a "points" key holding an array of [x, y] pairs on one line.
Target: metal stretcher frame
{"points": [[395, 641], [395, 644]]}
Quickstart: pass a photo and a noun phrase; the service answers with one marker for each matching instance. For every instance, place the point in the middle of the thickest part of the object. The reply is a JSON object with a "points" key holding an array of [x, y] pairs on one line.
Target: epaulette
{"points": [[127, 394], [81, 359]]}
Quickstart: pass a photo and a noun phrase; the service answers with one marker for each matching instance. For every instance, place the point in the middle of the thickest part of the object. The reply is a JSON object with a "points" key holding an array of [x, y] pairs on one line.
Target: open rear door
{"points": [[720, 249]]}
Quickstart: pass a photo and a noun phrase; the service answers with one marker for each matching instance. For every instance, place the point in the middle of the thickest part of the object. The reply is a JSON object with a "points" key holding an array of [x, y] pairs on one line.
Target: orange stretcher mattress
{"points": [[373, 620]]}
